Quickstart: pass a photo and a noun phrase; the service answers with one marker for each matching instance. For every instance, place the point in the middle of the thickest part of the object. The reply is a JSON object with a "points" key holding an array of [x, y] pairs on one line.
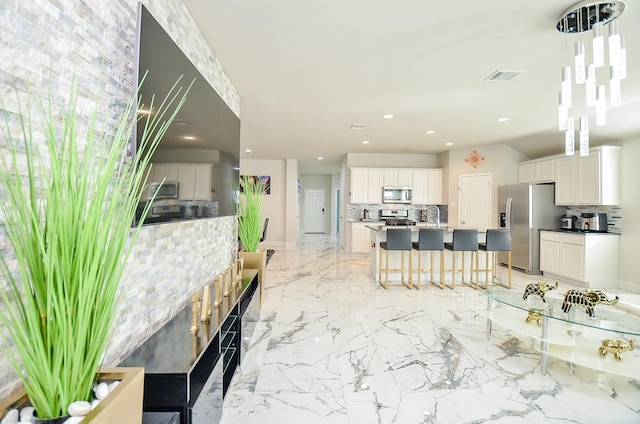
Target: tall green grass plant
{"points": [[68, 203], [250, 210]]}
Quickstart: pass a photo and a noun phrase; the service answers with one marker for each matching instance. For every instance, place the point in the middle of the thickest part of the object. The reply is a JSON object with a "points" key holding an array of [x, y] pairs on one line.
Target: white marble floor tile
{"points": [[332, 346]]}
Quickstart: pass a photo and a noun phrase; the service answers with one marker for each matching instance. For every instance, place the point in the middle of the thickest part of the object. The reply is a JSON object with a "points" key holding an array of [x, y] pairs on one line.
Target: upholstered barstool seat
{"points": [[464, 240], [497, 241], [398, 239], [430, 240]]}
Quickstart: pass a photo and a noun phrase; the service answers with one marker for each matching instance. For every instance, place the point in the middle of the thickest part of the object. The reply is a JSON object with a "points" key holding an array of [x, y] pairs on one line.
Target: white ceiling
{"points": [[306, 70]]}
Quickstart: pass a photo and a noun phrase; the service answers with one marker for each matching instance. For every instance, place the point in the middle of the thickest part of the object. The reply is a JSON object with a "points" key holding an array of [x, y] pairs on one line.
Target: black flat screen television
{"points": [[205, 131]]}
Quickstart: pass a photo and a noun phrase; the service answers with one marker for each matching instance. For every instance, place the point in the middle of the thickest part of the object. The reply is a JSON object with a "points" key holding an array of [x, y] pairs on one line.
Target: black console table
{"points": [[178, 364]]}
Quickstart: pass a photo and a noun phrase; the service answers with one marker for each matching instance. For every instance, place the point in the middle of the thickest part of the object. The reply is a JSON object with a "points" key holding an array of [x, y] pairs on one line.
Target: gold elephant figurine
{"points": [[534, 315], [616, 347]]}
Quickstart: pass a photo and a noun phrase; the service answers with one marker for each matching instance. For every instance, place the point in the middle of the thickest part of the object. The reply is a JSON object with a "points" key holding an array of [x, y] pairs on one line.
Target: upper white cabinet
{"points": [[194, 179], [359, 185], [405, 177], [374, 186], [426, 184], [589, 180], [565, 181], [541, 171]]}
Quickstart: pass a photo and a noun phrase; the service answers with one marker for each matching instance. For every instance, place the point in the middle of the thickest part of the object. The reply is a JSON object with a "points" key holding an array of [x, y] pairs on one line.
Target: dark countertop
{"points": [[581, 232]]}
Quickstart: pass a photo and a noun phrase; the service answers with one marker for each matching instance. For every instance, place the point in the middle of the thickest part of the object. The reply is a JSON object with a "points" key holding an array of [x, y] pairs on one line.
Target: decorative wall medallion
{"points": [[474, 159]]}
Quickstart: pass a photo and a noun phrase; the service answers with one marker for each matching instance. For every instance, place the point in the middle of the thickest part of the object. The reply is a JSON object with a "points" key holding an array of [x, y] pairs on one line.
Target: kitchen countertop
{"points": [[580, 232]]}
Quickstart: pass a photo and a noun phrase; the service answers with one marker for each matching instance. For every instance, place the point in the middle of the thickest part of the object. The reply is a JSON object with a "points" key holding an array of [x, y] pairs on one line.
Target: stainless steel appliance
{"points": [[594, 222], [396, 194], [569, 223], [163, 190], [395, 217], [525, 209], [365, 214]]}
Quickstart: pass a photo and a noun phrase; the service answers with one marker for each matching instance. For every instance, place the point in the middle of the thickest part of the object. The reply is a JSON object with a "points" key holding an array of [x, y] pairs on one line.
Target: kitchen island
{"points": [[379, 234]]}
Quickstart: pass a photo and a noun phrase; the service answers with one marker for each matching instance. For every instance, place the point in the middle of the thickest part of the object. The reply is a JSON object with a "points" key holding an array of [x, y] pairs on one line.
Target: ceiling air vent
{"points": [[357, 126], [503, 75]]}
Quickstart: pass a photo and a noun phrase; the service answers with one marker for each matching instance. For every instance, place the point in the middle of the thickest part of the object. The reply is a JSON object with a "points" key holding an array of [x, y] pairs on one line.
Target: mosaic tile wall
{"points": [[354, 212], [44, 43], [614, 215]]}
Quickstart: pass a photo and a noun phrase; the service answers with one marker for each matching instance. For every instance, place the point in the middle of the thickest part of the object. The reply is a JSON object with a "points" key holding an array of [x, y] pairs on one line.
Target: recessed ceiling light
{"points": [[357, 126], [189, 137], [320, 158], [448, 143], [431, 132], [247, 150], [503, 119], [180, 122], [387, 116], [365, 141], [144, 111]]}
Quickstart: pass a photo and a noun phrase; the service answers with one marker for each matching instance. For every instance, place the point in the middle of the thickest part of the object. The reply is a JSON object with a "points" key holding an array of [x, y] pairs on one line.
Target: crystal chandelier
{"points": [[586, 70]]}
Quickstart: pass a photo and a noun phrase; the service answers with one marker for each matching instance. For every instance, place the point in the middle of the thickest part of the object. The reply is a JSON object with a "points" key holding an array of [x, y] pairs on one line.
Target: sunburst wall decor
{"points": [[474, 159]]}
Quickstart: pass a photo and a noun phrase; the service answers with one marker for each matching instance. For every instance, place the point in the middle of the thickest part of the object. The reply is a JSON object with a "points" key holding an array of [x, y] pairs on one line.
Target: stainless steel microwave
{"points": [[165, 190], [396, 194]]}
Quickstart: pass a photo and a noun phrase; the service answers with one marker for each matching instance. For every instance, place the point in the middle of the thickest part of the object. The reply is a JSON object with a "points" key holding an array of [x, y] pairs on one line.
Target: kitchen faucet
{"points": [[437, 214]]}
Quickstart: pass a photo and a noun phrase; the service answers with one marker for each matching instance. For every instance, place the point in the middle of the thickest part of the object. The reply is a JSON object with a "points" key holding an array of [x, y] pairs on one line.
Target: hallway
{"points": [[333, 347]]}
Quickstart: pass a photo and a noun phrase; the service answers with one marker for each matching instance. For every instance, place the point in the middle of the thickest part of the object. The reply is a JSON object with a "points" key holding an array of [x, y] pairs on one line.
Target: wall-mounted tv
{"points": [[205, 132]]}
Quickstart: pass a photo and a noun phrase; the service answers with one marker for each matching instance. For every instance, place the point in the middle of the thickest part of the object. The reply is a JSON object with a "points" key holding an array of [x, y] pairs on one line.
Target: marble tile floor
{"points": [[333, 347]]}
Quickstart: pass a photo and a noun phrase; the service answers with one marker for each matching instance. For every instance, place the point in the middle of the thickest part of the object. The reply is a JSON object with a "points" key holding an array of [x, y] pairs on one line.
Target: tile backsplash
{"points": [[614, 215], [355, 211]]}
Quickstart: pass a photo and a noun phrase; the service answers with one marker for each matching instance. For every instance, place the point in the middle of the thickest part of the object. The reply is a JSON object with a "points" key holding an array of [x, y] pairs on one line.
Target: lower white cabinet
{"points": [[589, 258], [360, 238]]}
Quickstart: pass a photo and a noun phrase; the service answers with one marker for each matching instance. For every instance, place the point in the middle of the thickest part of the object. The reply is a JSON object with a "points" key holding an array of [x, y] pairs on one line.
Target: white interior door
{"points": [[314, 207], [475, 201]]}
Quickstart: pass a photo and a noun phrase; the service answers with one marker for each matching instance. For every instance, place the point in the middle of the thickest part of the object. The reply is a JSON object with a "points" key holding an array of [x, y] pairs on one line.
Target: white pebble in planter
{"points": [[79, 408], [101, 391]]}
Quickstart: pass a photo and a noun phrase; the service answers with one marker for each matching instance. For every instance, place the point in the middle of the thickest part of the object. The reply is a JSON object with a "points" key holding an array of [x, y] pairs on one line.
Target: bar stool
{"points": [[397, 240], [464, 240], [497, 241], [430, 240]]}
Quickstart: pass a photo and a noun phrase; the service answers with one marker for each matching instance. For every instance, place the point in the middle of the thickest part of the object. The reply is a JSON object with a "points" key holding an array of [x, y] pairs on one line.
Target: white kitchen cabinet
{"points": [[202, 189], [588, 258], [374, 186], [390, 177], [186, 181], [166, 171], [405, 177], [550, 252], [544, 171], [360, 238], [589, 180], [538, 171], [566, 181], [436, 189], [526, 173], [359, 185], [427, 186], [571, 248]]}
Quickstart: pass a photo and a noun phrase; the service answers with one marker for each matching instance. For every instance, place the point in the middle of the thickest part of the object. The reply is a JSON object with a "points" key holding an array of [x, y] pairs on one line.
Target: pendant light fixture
{"points": [[583, 26]]}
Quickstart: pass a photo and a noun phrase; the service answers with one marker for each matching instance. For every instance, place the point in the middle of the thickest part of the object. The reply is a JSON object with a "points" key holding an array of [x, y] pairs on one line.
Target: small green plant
{"points": [[68, 205], [250, 212]]}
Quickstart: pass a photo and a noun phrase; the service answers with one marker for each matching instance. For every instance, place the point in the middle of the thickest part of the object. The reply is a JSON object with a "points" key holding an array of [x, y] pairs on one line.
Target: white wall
{"points": [[499, 160], [392, 160], [279, 206], [630, 203]]}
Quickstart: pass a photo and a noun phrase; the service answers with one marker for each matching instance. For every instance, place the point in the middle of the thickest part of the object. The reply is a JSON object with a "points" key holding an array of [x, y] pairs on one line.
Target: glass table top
{"points": [[606, 316]]}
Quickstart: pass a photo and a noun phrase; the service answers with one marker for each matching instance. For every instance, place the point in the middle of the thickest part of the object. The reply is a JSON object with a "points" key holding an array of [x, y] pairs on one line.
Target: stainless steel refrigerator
{"points": [[526, 209]]}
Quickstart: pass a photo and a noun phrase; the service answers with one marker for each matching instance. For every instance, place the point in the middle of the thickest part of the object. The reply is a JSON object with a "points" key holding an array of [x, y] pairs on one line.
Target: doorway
{"points": [[314, 206], [475, 201]]}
